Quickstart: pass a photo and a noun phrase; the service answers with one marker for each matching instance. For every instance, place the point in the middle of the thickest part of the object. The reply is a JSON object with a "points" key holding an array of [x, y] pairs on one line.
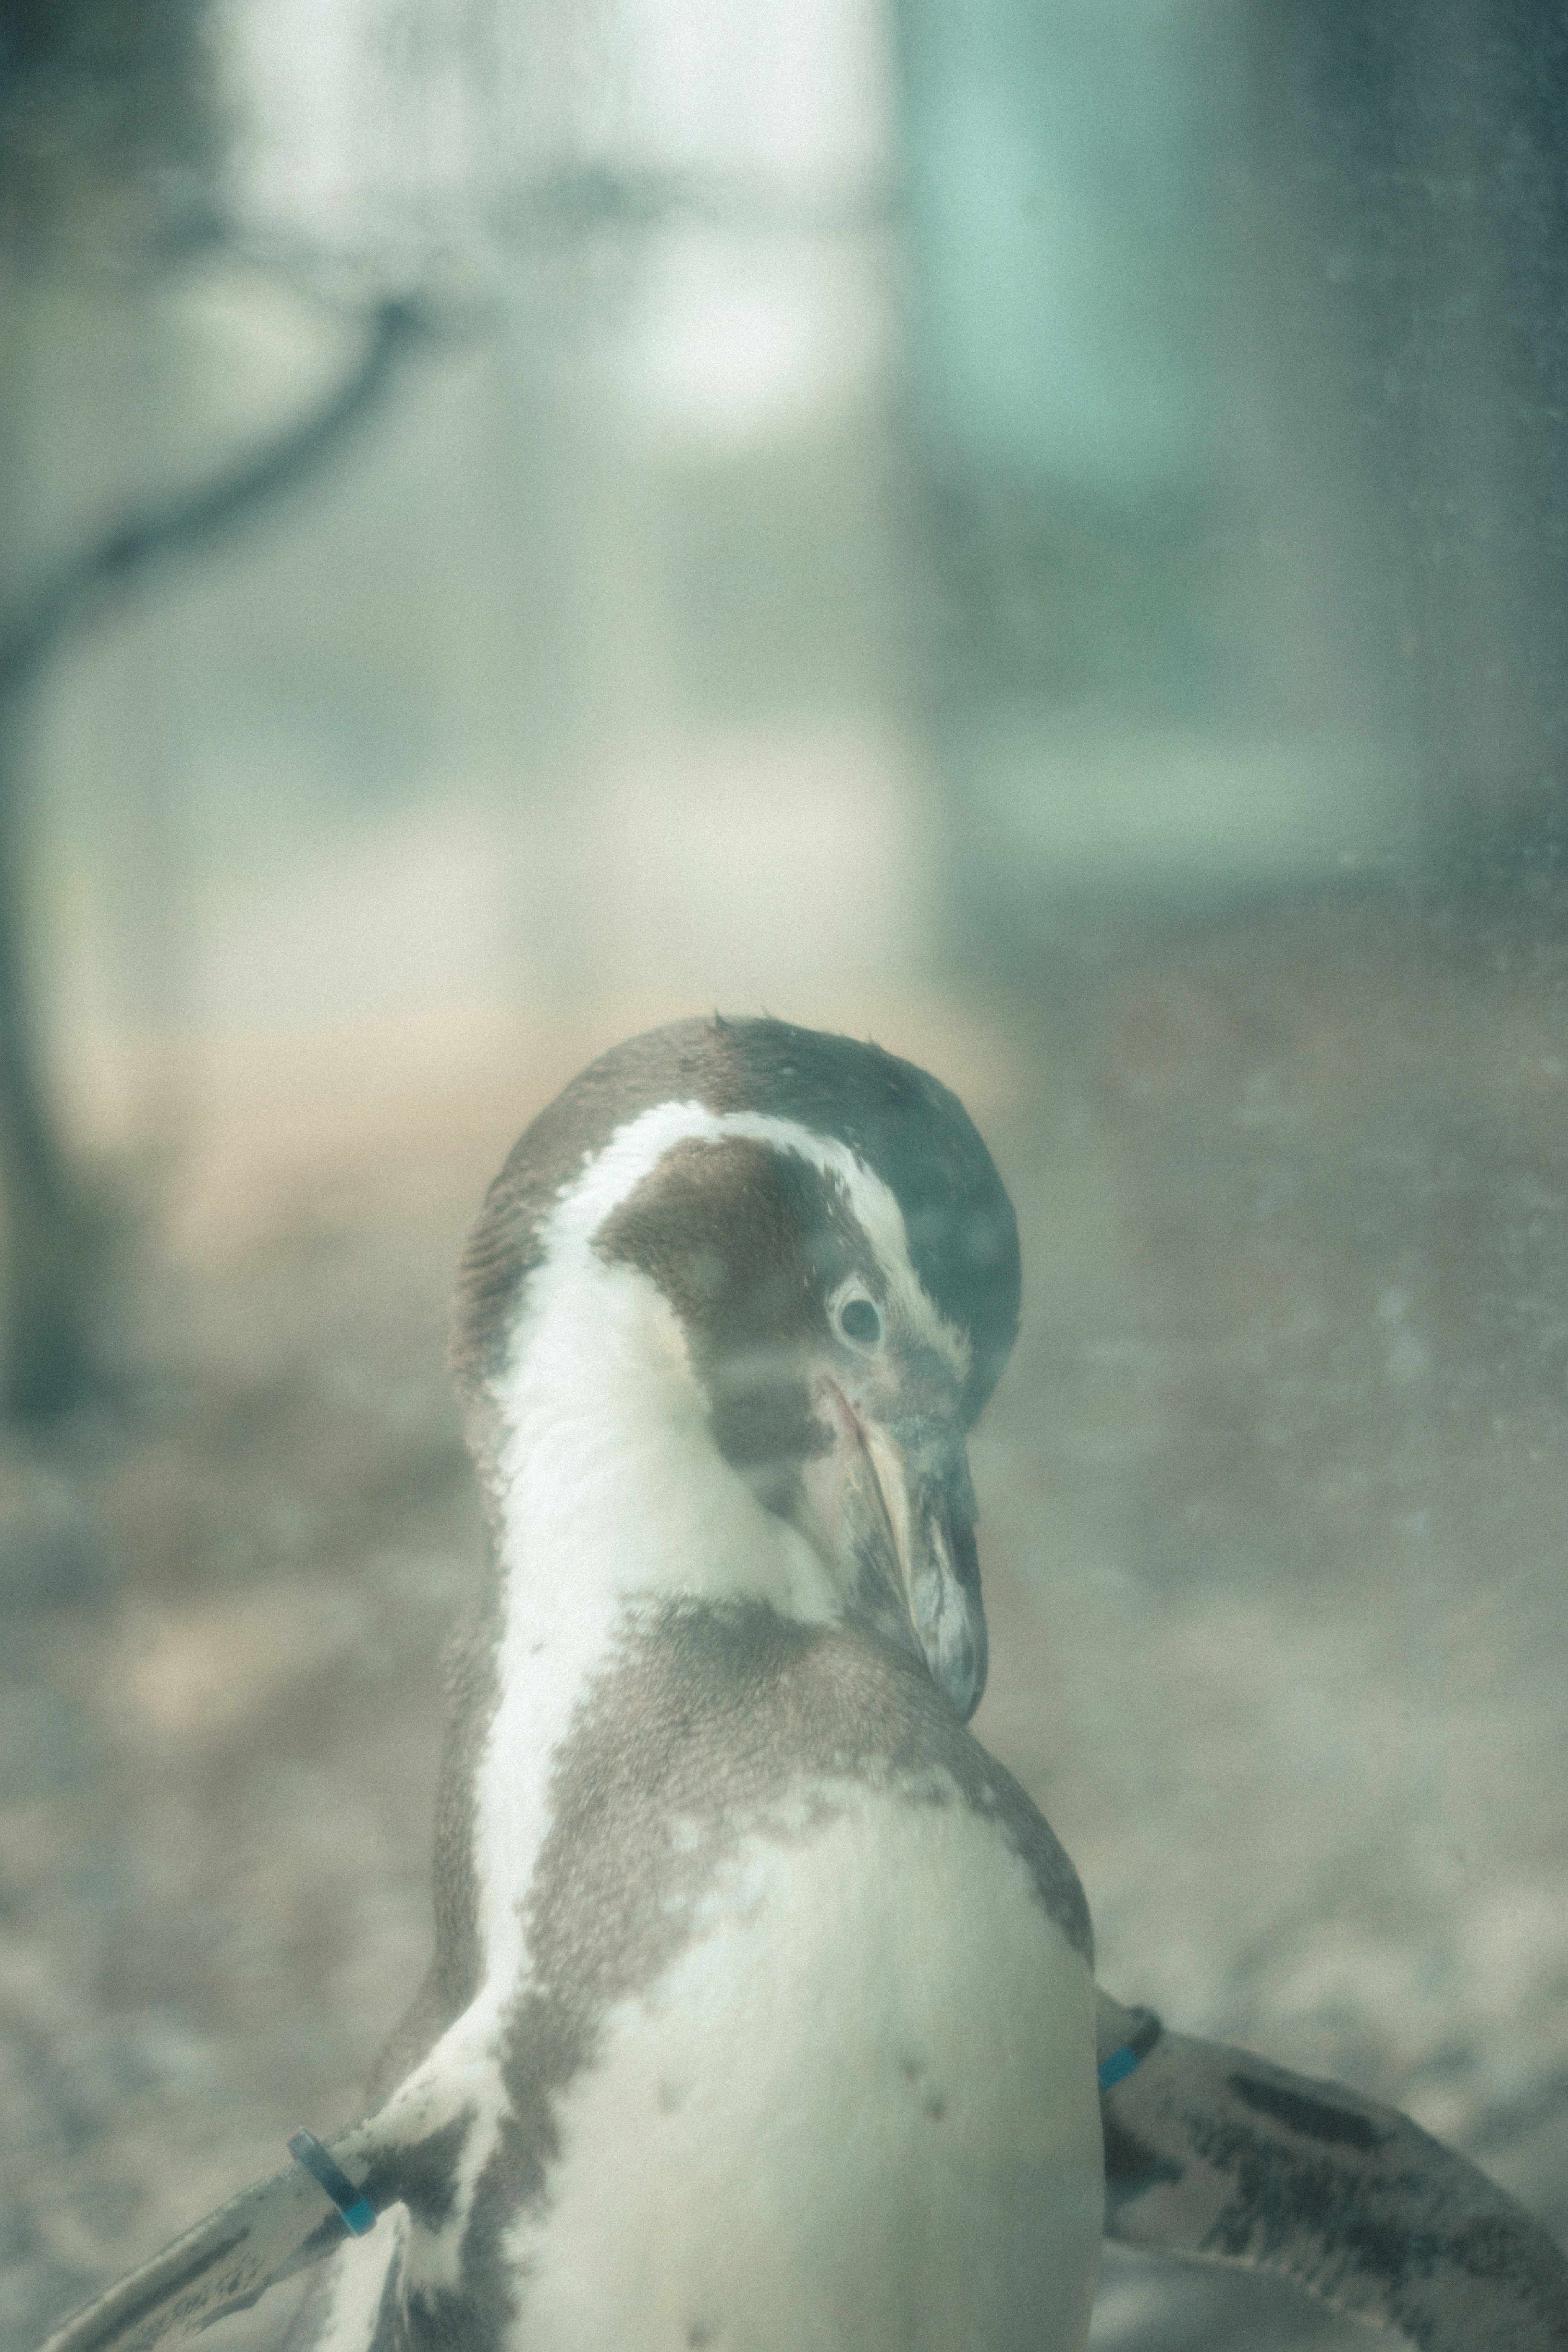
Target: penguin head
{"points": [[806, 1238]]}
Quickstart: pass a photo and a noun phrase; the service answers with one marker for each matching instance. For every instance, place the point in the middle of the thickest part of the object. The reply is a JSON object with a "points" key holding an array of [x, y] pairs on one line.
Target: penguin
{"points": [[762, 2011]]}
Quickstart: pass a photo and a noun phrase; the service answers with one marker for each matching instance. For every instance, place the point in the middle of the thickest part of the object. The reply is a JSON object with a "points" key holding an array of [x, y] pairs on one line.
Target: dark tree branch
{"points": [[184, 521], [51, 1237]]}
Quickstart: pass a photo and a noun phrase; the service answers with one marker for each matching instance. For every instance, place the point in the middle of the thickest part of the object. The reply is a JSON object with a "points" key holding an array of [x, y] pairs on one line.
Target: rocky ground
{"points": [[1274, 1499]]}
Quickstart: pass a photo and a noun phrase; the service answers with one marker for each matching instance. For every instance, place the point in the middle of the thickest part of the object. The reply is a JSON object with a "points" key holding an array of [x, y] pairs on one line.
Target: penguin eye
{"points": [[861, 1321]]}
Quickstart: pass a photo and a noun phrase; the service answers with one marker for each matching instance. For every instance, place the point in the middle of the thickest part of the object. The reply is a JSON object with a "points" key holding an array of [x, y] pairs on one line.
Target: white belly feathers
{"points": [[859, 2111]]}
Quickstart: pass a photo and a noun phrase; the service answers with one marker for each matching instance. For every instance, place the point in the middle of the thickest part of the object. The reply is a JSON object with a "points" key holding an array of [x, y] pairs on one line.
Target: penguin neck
{"points": [[611, 1493], [611, 1500]]}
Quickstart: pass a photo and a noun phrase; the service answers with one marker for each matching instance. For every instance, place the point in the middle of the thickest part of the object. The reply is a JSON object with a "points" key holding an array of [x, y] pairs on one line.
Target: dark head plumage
{"points": [[908, 1129]]}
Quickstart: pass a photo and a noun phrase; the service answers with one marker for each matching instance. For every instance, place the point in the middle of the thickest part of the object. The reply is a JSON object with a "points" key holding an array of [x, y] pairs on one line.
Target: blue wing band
{"points": [[358, 2212], [1121, 2062]]}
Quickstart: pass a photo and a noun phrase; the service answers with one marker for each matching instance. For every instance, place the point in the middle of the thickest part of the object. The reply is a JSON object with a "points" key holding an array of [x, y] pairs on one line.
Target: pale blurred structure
{"points": [[576, 680], [883, 491]]}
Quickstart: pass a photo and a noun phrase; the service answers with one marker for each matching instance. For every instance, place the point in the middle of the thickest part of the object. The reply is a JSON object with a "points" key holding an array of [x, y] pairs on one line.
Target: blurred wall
{"points": [[572, 683], [1415, 167], [887, 495]]}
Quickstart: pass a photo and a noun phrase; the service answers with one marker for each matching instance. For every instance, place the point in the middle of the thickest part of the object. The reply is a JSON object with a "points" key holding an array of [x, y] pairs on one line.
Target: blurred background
{"points": [[1032, 529]]}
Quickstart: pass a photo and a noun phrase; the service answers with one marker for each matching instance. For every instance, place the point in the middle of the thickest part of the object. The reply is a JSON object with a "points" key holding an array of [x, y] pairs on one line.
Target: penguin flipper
{"points": [[270, 2231], [1214, 2155]]}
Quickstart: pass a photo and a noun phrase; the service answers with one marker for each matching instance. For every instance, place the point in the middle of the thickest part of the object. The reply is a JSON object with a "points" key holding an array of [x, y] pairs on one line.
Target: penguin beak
{"points": [[906, 1533]]}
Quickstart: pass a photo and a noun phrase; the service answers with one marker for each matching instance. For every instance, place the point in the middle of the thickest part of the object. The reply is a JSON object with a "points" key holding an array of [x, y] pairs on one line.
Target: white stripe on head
{"points": [[635, 1150]]}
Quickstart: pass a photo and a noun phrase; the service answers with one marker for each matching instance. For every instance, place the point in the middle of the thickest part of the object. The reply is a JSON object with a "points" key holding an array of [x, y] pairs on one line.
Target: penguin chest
{"points": [[856, 2108]]}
